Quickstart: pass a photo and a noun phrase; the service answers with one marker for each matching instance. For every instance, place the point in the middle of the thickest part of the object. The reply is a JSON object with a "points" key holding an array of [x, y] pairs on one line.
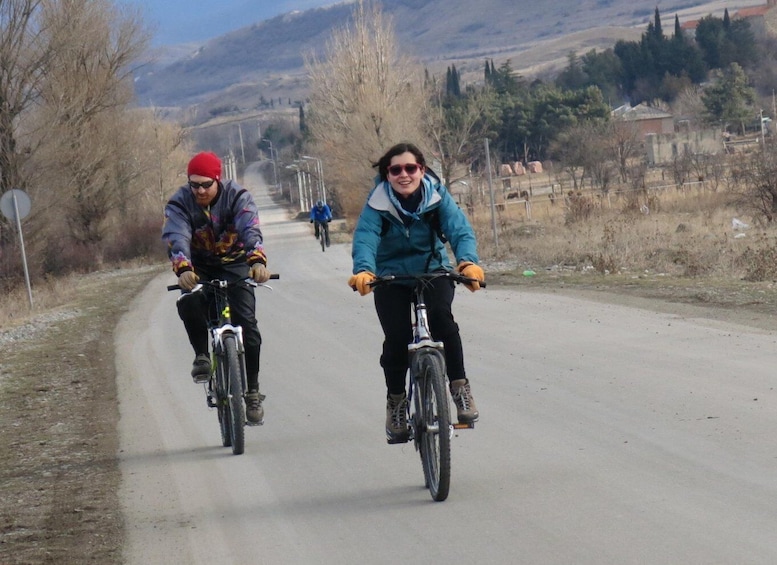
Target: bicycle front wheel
{"points": [[221, 384], [435, 425], [236, 409], [322, 238]]}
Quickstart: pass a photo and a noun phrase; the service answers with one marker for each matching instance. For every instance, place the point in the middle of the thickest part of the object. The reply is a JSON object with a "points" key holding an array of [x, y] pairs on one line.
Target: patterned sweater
{"points": [[226, 232]]}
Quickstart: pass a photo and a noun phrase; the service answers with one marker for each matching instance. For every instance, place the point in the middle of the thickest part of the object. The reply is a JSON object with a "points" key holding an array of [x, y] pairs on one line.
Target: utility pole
{"points": [[491, 193]]}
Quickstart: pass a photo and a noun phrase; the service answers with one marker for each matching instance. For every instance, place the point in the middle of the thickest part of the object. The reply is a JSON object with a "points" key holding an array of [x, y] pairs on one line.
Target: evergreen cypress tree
{"points": [[659, 33]]}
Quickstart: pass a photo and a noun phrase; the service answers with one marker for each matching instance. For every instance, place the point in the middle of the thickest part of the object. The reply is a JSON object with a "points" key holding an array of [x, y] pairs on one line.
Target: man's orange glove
{"points": [[187, 280], [259, 273], [470, 270], [361, 282]]}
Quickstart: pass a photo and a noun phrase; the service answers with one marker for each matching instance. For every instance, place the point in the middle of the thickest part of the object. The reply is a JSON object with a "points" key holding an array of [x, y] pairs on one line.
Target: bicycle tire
{"points": [[435, 425], [322, 237], [221, 382], [236, 408]]}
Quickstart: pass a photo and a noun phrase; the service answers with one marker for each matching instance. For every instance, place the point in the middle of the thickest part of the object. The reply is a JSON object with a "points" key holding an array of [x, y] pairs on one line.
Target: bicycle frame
{"points": [[222, 326]]}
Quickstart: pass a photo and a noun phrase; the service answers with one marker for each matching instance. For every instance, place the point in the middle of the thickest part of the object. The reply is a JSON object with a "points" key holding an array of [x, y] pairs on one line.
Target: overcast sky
{"points": [[184, 21]]}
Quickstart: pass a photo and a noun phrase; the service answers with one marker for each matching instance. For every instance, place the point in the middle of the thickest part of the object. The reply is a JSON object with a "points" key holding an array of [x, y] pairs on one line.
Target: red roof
{"points": [[752, 12]]}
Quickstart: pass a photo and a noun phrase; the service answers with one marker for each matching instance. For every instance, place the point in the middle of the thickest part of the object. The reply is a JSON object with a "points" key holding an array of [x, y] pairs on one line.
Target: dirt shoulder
{"points": [[59, 407], [736, 302], [59, 413]]}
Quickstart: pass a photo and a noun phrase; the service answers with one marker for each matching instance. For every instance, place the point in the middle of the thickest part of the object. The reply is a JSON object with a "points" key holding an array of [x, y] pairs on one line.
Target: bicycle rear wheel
{"points": [[235, 407], [434, 425]]}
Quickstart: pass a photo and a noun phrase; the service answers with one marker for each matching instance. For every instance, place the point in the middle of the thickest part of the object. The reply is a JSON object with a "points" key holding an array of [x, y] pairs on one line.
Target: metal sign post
{"points": [[15, 205]]}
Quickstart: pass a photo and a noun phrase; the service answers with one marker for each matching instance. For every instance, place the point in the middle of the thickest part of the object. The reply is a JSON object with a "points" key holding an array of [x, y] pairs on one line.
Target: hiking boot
{"points": [[466, 410], [201, 368], [396, 418], [254, 408]]}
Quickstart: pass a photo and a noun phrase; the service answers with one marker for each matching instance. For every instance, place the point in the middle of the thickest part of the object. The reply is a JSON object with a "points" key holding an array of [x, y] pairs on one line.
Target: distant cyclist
{"points": [[320, 216]]}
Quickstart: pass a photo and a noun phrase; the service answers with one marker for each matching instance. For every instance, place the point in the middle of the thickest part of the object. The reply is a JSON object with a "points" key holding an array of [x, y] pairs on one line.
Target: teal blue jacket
{"points": [[384, 245]]}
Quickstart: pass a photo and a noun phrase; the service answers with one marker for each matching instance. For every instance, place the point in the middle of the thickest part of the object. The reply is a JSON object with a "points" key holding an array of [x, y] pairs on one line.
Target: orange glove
{"points": [[259, 273], [187, 280], [470, 270], [361, 282]]}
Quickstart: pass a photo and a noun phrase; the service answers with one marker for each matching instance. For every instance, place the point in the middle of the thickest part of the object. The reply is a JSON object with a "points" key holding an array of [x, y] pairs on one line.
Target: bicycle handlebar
{"points": [[274, 276], [387, 279]]}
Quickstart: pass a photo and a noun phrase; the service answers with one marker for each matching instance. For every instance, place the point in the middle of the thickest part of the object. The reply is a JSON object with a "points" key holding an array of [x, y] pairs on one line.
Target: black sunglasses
{"points": [[409, 168], [206, 184]]}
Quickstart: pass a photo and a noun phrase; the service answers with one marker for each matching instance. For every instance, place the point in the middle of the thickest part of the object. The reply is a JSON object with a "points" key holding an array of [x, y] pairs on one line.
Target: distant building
{"points": [[647, 119], [689, 28], [762, 19], [662, 149], [663, 142]]}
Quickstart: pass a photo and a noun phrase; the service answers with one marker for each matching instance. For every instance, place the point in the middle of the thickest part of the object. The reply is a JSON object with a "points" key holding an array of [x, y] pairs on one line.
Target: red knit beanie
{"points": [[205, 164]]}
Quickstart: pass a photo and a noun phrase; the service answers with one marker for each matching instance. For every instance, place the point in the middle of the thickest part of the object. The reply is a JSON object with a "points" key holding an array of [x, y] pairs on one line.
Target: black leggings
{"points": [[393, 303]]}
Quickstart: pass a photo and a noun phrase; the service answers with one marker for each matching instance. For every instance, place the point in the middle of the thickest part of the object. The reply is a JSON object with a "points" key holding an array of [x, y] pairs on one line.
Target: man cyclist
{"points": [[320, 216], [212, 232]]}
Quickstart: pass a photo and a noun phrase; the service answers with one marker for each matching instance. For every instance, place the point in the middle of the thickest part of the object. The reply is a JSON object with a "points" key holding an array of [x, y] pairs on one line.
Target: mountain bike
{"points": [[226, 386], [323, 229], [429, 401]]}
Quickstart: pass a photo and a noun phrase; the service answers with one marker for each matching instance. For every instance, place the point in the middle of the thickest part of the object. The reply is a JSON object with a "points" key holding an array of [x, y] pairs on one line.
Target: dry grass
{"points": [[50, 294], [662, 231]]}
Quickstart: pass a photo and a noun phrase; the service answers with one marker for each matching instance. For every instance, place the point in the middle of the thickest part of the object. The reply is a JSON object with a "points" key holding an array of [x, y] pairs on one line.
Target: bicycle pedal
{"points": [[464, 425], [252, 424]]}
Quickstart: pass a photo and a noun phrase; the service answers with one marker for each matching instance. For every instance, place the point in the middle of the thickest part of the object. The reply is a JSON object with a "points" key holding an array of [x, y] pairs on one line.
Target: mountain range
{"points": [[264, 60]]}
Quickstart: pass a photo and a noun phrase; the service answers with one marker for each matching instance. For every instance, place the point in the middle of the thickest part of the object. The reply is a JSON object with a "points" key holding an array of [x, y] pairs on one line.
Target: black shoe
{"points": [[201, 368]]}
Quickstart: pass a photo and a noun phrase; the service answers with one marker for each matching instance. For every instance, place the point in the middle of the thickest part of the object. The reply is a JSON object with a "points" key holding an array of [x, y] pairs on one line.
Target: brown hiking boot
{"points": [[466, 410], [254, 408], [396, 419]]}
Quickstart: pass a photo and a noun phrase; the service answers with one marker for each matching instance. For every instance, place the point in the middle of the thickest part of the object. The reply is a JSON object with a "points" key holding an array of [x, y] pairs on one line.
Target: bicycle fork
{"points": [[416, 351], [217, 337]]}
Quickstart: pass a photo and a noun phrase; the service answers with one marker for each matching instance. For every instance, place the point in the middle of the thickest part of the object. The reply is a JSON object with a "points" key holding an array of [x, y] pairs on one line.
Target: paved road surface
{"points": [[607, 434]]}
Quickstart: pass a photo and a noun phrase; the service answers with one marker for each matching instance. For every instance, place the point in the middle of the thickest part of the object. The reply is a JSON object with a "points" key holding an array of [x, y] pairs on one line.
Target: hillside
{"points": [[265, 59]]}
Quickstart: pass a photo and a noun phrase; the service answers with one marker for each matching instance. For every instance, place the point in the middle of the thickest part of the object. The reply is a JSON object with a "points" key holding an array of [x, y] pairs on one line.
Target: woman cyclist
{"points": [[400, 231]]}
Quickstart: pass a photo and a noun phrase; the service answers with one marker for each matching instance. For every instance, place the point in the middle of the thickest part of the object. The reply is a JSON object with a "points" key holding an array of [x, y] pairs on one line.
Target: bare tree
{"points": [[570, 150], [86, 90], [457, 128], [624, 140], [365, 96], [756, 176], [24, 58]]}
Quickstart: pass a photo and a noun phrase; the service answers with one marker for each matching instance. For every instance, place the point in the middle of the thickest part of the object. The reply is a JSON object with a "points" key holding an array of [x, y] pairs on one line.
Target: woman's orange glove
{"points": [[470, 270], [361, 282]]}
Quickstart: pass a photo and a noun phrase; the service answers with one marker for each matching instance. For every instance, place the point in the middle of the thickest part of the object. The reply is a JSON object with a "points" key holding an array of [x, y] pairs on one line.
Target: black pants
{"points": [[393, 303], [325, 227], [195, 310]]}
